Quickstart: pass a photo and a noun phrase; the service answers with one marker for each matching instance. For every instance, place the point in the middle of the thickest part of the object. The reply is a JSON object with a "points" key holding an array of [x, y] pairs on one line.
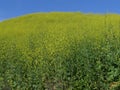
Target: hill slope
{"points": [[60, 51]]}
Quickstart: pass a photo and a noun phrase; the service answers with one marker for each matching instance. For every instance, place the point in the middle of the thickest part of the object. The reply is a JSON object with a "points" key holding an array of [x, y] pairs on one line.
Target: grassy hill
{"points": [[60, 51]]}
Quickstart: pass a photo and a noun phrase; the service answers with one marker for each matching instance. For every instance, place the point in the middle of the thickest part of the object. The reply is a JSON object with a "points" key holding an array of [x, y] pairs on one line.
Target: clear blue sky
{"points": [[13, 8]]}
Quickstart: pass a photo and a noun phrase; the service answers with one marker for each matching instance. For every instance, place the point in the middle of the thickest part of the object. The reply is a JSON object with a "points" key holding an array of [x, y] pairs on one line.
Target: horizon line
{"points": [[100, 13]]}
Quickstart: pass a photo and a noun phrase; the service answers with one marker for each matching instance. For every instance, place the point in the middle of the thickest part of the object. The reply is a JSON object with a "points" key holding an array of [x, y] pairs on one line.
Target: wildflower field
{"points": [[60, 51]]}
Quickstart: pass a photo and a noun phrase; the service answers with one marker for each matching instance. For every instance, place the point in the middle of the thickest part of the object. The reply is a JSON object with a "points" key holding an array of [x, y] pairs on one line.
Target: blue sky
{"points": [[14, 8]]}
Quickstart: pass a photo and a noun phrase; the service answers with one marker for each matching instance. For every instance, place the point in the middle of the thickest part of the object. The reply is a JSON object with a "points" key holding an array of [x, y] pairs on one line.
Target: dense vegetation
{"points": [[60, 51]]}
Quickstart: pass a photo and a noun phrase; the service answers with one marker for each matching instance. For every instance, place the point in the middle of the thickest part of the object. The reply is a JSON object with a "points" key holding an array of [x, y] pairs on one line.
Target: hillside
{"points": [[60, 51]]}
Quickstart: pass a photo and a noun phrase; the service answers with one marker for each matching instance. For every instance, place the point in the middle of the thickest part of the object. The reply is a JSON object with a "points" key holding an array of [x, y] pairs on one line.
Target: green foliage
{"points": [[60, 51]]}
